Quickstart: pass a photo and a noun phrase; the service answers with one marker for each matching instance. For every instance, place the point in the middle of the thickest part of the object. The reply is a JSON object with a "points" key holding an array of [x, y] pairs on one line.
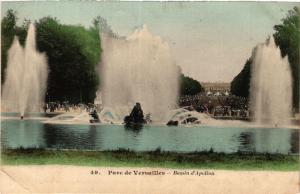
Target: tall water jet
{"points": [[26, 76], [138, 68], [271, 85]]}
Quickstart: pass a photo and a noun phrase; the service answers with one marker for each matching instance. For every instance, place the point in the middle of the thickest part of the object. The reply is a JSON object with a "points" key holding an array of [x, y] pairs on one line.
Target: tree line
{"points": [[73, 53]]}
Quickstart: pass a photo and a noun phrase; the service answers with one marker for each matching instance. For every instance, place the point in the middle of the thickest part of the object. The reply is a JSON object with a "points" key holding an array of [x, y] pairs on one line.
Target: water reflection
{"points": [[92, 134], [25, 134], [246, 140], [272, 140], [135, 129], [294, 142], [34, 134], [70, 137]]}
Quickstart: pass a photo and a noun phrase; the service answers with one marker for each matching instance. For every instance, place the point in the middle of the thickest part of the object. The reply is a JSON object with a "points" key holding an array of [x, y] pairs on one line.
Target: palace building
{"points": [[216, 87]]}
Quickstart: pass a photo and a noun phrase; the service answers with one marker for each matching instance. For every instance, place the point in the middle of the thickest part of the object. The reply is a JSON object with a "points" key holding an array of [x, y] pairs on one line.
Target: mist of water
{"points": [[139, 68], [26, 76], [271, 85]]}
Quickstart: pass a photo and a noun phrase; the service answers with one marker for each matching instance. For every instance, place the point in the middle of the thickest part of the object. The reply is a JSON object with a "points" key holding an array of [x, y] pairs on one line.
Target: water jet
{"points": [[25, 77], [138, 68], [270, 85]]}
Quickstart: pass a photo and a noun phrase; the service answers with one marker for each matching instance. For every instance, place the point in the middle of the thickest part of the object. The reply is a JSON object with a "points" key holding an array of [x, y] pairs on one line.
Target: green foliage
{"points": [[100, 24], [157, 158], [73, 53], [8, 31], [287, 37], [189, 86], [241, 83]]}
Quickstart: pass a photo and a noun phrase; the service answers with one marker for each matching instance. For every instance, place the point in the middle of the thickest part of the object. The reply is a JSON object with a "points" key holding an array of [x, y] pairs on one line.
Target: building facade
{"points": [[214, 87]]}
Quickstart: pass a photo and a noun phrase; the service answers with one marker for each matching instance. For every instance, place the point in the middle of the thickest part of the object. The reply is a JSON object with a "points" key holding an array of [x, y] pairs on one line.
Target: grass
{"points": [[157, 158]]}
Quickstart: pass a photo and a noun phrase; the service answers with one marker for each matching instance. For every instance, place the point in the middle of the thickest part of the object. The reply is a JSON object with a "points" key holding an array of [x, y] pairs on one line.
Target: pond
{"points": [[16, 133]]}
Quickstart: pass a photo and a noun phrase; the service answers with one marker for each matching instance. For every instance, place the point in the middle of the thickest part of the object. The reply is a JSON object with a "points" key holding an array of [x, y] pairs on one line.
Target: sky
{"points": [[210, 41]]}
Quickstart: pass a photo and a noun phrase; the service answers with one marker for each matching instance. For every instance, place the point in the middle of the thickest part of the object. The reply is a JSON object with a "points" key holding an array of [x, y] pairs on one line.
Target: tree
{"points": [[100, 24], [73, 53], [287, 37], [189, 86], [8, 31], [241, 83]]}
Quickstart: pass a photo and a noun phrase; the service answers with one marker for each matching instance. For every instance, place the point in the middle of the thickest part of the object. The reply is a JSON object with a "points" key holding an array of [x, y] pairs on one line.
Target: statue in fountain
{"points": [[95, 117], [136, 116]]}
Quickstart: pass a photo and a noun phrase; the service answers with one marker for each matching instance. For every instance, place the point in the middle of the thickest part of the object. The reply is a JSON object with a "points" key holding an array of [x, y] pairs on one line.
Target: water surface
{"points": [[16, 133]]}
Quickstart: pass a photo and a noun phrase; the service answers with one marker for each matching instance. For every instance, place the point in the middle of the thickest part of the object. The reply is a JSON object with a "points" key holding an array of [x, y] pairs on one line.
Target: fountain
{"points": [[26, 76], [271, 85], [138, 68]]}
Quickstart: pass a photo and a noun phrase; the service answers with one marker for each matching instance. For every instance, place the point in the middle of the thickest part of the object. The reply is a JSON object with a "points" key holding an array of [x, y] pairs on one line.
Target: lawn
{"points": [[157, 158]]}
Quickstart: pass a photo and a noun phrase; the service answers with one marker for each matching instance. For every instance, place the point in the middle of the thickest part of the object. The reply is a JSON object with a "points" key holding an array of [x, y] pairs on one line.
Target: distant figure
{"points": [[136, 116], [22, 117]]}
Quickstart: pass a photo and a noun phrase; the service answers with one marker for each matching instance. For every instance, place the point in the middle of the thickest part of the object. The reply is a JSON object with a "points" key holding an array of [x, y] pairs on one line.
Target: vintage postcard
{"points": [[150, 97]]}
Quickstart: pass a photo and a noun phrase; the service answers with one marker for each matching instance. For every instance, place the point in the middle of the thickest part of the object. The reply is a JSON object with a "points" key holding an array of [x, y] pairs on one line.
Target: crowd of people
{"points": [[217, 106], [67, 107]]}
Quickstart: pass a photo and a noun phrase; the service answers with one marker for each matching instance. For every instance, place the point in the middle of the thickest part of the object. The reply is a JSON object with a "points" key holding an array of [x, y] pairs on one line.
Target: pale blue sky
{"points": [[209, 40]]}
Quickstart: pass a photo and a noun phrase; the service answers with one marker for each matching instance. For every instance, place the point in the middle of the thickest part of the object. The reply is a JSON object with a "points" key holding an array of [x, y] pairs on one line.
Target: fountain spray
{"points": [[26, 76]]}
